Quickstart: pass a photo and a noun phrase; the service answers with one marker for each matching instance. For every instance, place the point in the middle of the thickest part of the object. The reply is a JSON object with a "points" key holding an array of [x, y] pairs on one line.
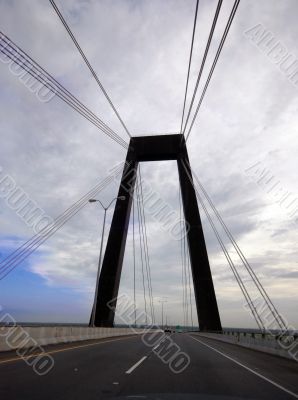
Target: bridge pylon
{"points": [[157, 148]]}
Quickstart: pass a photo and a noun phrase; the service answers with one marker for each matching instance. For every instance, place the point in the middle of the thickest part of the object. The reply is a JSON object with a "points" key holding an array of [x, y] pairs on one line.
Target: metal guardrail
{"points": [[284, 344], [274, 335]]}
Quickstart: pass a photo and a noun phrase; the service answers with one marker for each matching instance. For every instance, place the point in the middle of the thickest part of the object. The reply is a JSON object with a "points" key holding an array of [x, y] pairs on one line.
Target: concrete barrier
{"points": [[286, 346], [13, 338]]}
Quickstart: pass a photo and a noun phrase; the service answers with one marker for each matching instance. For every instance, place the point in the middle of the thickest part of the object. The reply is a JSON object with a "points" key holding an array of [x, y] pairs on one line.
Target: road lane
{"points": [[99, 372], [279, 369], [88, 372], [11, 356], [253, 371], [209, 374]]}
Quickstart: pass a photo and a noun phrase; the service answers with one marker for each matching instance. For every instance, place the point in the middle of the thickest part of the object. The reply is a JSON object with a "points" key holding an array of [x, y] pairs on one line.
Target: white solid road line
{"points": [[129, 371], [249, 369]]}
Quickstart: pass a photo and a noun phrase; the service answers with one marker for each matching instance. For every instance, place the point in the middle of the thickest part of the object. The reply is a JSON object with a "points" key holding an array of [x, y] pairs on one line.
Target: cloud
{"points": [[140, 52]]}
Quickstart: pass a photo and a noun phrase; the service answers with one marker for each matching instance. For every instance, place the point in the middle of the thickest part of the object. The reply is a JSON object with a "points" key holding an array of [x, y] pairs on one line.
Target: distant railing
{"points": [[274, 335], [284, 344]]}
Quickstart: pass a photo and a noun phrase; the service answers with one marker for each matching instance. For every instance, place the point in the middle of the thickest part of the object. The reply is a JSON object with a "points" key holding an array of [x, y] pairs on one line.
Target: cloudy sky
{"points": [[139, 49]]}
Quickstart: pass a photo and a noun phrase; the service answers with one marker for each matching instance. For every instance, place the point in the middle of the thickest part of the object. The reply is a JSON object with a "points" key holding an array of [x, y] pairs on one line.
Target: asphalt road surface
{"points": [[126, 368]]}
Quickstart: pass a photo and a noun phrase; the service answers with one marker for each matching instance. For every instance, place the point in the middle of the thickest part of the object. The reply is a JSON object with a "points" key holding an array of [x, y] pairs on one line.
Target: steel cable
{"points": [[21, 58], [88, 64], [226, 31], [22, 252], [230, 261], [202, 63]]}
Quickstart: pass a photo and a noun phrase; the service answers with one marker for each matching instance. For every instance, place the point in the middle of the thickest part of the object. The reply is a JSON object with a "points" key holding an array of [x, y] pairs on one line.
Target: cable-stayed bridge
{"points": [[139, 357]]}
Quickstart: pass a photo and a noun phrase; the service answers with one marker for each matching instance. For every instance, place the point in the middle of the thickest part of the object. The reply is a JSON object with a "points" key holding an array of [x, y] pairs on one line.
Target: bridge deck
{"points": [[95, 371]]}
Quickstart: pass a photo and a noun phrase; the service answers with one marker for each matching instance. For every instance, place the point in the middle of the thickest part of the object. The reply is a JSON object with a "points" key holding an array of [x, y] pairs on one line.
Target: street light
{"points": [[162, 301], [100, 253]]}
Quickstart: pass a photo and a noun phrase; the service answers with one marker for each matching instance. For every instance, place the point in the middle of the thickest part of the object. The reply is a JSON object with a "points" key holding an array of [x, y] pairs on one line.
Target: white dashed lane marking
{"points": [[130, 370]]}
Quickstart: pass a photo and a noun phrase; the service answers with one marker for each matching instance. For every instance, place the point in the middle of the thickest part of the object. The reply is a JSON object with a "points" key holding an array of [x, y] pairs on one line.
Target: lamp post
{"points": [[162, 303], [92, 321]]}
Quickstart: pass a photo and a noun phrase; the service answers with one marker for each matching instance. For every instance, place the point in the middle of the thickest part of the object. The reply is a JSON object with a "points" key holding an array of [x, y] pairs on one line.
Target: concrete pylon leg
{"points": [[156, 148]]}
